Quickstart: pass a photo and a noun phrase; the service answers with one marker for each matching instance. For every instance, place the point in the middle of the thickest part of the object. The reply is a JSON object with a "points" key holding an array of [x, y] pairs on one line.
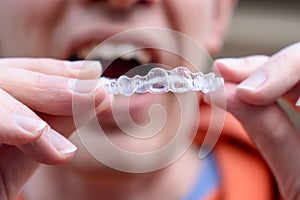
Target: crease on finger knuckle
{"points": [[55, 91], [58, 67]]}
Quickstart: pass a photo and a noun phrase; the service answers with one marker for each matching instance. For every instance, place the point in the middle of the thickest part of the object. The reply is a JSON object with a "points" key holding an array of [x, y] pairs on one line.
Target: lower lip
{"points": [[137, 105]]}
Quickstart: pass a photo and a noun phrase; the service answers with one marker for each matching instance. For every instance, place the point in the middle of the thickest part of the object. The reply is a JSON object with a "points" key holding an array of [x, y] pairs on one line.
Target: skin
{"points": [[251, 103], [50, 28]]}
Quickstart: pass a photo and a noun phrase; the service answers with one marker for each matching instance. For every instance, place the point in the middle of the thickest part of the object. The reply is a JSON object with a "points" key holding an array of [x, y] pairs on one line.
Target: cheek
{"points": [[45, 11], [31, 9], [25, 23], [194, 19], [191, 17]]}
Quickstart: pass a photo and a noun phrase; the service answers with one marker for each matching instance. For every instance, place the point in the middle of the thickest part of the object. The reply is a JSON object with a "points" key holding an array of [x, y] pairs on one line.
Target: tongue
{"points": [[129, 68], [119, 67]]}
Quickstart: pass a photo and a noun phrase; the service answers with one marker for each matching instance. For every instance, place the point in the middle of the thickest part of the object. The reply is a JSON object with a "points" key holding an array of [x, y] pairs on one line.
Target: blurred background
{"points": [[264, 27]]}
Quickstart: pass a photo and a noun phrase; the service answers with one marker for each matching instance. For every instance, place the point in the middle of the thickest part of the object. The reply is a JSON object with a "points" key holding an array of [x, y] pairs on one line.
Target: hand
{"points": [[253, 86], [35, 103]]}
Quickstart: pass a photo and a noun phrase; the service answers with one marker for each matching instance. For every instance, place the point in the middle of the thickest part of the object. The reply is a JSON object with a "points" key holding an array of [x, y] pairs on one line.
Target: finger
{"points": [[86, 69], [50, 148], [16, 167], [273, 134], [237, 69], [298, 102], [66, 124], [275, 78], [19, 126], [293, 97], [47, 93], [17, 129], [276, 138]]}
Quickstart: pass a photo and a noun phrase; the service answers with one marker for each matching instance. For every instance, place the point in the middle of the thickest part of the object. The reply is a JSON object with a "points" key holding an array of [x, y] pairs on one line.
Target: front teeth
{"points": [[112, 51], [86, 50]]}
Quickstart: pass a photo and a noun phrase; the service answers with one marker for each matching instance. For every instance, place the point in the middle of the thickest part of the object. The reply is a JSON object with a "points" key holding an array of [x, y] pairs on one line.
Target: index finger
{"points": [[86, 69], [49, 94]]}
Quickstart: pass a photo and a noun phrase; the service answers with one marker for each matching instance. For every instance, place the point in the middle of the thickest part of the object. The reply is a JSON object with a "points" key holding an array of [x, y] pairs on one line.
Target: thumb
{"points": [[278, 76]]}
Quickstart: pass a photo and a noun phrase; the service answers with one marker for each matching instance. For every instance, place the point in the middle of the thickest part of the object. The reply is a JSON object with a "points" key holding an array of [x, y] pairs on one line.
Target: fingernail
{"points": [[298, 102], [76, 65], [85, 68], [82, 86], [253, 82], [60, 143], [30, 125]]}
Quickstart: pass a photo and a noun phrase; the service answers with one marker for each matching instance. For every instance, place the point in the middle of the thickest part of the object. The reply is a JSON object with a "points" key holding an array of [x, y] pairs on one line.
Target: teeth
{"points": [[105, 51], [84, 51], [143, 57], [112, 51], [125, 50]]}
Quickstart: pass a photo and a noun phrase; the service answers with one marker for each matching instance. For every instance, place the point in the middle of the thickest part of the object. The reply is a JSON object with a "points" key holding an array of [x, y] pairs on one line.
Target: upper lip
{"points": [[98, 36]]}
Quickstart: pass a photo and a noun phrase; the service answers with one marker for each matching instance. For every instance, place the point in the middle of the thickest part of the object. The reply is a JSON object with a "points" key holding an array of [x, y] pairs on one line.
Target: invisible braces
{"points": [[159, 81]]}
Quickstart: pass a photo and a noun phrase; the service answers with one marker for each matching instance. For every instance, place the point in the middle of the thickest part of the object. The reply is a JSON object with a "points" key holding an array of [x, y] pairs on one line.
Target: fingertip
{"points": [[227, 62], [30, 126], [237, 69], [89, 69], [255, 89], [18, 129], [249, 95], [219, 67], [298, 103], [59, 142], [51, 148], [103, 99], [230, 64], [254, 82], [105, 103], [227, 68]]}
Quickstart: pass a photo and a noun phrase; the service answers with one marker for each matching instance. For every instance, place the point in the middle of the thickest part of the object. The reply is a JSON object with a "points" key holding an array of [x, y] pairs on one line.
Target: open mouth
{"points": [[119, 58]]}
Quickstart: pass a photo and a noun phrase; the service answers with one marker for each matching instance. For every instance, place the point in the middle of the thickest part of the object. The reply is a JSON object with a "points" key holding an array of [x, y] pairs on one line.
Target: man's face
{"points": [[70, 29], [60, 28]]}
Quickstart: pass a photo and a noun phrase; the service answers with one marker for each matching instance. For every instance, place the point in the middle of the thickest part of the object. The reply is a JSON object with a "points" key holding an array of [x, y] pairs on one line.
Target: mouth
{"points": [[117, 59]]}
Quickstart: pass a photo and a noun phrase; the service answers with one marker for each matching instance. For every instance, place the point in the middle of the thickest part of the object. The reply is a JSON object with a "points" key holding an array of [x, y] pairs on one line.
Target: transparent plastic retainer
{"points": [[159, 80]]}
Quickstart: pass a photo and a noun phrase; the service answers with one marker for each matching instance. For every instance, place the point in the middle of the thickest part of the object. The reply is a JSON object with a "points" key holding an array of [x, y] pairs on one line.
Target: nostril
{"points": [[122, 4]]}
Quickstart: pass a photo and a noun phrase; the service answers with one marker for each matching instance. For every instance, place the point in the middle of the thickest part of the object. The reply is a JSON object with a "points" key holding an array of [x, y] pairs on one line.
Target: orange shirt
{"points": [[243, 172]]}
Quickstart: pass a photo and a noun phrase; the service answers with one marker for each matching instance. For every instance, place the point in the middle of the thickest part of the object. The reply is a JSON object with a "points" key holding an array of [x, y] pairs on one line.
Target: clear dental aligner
{"points": [[159, 80]]}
